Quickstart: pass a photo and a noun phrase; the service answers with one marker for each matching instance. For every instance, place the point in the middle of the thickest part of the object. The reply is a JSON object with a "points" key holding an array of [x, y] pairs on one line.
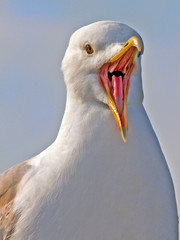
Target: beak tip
{"points": [[124, 134]]}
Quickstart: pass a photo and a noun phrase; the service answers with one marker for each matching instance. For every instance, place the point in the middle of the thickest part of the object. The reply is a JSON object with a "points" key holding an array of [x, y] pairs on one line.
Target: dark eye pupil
{"points": [[89, 49]]}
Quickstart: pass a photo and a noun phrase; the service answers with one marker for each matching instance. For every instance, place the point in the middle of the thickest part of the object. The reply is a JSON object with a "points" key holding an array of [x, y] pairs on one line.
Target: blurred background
{"points": [[33, 37]]}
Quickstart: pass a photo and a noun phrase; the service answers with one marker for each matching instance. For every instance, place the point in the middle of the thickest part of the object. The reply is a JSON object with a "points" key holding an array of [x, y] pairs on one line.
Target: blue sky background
{"points": [[33, 38]]}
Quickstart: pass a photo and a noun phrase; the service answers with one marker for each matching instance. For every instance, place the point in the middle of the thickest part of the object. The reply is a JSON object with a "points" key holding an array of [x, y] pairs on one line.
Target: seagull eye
{"points": [[89, 49]]}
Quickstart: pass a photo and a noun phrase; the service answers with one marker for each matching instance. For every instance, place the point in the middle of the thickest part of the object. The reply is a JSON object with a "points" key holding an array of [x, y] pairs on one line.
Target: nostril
{"points": [[126, 44]]}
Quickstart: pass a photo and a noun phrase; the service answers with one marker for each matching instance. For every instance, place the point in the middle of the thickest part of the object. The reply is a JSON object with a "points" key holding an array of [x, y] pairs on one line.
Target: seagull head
{"points": [[102, 64]]}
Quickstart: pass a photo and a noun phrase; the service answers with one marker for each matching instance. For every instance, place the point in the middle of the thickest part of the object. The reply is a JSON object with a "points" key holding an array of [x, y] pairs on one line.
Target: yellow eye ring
{"points": [[89, 48]]}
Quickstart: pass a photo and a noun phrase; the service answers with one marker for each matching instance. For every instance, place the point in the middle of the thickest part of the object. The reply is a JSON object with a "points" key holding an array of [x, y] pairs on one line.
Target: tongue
{"points": [[118, 92]]}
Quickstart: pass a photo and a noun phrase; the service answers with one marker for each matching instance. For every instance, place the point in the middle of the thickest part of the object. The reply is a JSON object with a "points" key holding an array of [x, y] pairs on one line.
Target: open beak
{"points": [[114, 77]]}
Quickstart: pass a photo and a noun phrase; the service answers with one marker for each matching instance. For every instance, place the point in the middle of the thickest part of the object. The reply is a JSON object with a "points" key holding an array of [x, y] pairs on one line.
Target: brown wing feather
{"points": [[9, 181]]}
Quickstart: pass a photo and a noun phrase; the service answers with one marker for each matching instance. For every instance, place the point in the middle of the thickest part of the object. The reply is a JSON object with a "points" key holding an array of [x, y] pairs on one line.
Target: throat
{"points": [[116, 74], [82, 125]]}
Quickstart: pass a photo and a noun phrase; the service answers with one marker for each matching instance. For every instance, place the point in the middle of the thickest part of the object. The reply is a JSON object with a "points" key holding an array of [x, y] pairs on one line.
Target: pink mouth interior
{"points": [[115, 79]]}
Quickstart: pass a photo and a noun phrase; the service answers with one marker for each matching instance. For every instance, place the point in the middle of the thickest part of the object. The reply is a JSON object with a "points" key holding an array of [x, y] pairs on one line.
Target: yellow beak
{"points": [[117, 87]]}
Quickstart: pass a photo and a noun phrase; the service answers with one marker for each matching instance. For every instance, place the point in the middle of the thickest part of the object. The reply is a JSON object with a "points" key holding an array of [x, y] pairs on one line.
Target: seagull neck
{"points": [[81, 121]]}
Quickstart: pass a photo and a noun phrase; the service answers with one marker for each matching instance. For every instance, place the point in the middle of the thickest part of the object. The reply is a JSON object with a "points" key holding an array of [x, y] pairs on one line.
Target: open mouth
{"points": [[114, 77]]}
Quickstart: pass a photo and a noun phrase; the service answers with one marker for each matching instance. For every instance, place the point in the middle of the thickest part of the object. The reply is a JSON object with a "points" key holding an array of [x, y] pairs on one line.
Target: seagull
{"points": [[105, 176]]}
